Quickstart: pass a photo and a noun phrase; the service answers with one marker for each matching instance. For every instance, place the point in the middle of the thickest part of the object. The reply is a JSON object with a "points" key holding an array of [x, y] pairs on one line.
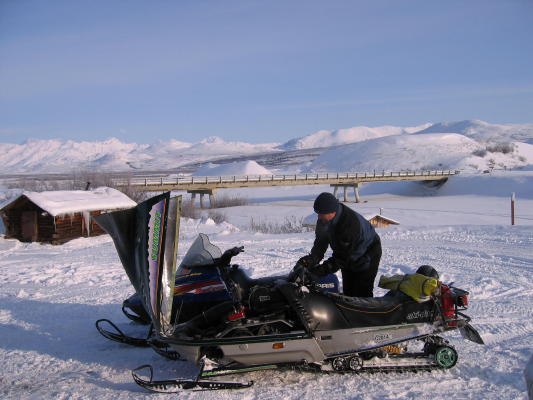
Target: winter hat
{"points": [[325, 203]]}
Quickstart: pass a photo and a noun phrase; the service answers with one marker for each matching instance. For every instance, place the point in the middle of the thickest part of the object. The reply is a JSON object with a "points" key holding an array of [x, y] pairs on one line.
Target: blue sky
{"points": [[258, 71]]}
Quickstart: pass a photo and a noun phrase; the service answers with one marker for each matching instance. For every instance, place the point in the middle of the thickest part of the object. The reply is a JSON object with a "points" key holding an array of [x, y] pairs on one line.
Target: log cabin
{"points": [[59, 216]]}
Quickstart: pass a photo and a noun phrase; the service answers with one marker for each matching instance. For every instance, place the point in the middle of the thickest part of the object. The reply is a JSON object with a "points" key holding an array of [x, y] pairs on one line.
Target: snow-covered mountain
{"points": [[440, 151], [325, 138], [483, 131], [475, 146], [113, 154]]}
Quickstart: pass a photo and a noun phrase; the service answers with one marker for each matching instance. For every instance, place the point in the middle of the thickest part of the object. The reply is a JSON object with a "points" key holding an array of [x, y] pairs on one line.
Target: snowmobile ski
{"points": [[119, 336], [469, 333], [174, 385]]}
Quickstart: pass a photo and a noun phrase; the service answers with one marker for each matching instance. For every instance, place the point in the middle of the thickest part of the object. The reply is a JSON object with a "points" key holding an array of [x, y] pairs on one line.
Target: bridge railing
{"points": [[188, 180]]}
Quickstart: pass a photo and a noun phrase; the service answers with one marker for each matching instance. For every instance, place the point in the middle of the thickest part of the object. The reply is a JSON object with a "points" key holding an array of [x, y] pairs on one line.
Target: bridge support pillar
{"points": [[202, 193], [356, 193], [355, 187]]}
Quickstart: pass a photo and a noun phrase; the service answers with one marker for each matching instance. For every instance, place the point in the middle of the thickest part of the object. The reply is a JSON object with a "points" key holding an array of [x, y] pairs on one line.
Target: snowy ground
{"points": [[50, 297]]}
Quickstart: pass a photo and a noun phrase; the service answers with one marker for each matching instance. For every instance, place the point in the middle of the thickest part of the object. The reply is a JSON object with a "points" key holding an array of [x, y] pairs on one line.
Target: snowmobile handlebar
{"points": [[230, 253]]}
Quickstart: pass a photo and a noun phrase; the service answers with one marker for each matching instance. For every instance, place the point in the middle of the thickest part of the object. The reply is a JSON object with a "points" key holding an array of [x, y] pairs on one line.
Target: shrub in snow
{"points": [[480, 152], [216, 216], [504, 148], [229, 201], [290, 225], [188, 210]]}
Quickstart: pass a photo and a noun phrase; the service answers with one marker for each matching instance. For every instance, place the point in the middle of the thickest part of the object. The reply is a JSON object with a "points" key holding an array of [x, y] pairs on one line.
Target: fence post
{"points": [[512, 208]]}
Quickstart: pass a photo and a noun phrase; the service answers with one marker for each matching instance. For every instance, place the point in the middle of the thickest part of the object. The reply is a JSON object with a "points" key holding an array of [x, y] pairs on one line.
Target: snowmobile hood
{"points": [[146, 239]]}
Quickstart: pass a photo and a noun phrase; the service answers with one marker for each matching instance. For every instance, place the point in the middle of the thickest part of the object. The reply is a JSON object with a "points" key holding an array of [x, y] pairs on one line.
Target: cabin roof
{"points": [[60, 202], [369, 217], [312, 219]]}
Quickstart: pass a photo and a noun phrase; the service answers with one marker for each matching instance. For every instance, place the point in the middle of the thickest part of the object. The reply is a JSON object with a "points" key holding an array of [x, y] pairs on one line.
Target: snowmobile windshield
{"points": [[201, 253]]}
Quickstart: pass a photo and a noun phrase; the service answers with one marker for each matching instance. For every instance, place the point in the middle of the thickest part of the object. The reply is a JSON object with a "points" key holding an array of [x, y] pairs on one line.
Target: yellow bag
{"points": [[417, 286]]}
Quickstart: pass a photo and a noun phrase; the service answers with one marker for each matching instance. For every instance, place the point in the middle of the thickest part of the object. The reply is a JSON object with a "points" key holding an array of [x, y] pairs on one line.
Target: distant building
{"points": [[377, 221], [59, 216]]}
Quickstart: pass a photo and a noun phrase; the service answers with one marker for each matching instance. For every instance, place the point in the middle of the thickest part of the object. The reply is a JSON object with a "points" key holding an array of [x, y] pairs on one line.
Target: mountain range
{"points": [[451, 145]]}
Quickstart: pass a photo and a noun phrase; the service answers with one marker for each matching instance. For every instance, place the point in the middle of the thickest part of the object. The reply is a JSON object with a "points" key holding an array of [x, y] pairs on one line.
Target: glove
{"points": [[228, 254], [307, 261], [302, 274], [297, 272], [330, 266]]}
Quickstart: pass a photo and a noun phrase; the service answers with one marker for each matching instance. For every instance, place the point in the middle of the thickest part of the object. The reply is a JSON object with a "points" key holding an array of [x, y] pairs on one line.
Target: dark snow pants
{"points": [[358, 278]]}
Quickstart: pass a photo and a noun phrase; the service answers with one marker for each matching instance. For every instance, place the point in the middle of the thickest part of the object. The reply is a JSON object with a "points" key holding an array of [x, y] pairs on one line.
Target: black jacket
{"points": [[350, 236]]}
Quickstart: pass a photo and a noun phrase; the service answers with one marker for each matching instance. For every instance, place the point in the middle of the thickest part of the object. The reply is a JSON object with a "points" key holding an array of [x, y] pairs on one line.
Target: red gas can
{"points": [[448, 305]]}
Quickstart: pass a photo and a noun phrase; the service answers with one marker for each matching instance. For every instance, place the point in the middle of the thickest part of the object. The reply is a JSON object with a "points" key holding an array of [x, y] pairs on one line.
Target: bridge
{"points": [[208, 185]]}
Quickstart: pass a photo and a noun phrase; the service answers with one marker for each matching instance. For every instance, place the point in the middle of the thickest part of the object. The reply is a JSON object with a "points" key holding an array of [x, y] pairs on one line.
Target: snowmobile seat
{"points": [[394, 308]]}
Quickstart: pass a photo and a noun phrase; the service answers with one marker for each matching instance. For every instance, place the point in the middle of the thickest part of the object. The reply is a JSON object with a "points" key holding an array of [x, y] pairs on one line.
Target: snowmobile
{"points": [[272, 323]]}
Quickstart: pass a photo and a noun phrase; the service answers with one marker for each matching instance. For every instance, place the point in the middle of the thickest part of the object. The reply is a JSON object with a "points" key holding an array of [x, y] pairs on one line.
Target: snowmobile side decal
{"points": [[418, 315], [156, 233], [201, 287], [168, 273], [381, 337]]}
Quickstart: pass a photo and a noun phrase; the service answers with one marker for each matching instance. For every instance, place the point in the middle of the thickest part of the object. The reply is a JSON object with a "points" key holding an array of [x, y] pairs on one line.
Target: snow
{"points": [[325, 138], [68, 156], [528, 374], [485, 132], [50, 296], [430, 151], [394, 153], [235, 168], [61, 202], [112, 154]]}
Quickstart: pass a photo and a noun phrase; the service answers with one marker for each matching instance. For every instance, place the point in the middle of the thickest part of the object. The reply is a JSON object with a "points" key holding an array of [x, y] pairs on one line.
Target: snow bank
{"points": [[235, 168], [497, 184]]}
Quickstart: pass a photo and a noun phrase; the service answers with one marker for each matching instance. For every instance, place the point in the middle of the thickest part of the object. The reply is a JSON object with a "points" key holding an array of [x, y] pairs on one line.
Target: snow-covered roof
{"points": [[311, 219], [369, 217], [60, 202]]}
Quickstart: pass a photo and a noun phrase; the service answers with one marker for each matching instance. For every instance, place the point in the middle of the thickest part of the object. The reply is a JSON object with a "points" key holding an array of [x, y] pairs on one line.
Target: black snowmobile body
{"points": [[197, 292], [272, 323]]}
